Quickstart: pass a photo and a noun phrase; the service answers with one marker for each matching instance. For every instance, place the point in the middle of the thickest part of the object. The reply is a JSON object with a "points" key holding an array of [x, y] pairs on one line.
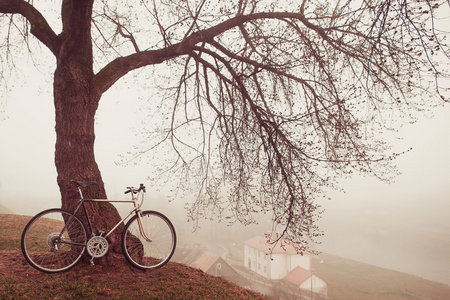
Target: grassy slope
{"points": [[18, 280], [348, 280]]}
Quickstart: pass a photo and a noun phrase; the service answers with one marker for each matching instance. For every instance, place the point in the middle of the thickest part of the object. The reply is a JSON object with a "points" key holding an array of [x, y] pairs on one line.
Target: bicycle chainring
{"points": [[97, 246]]}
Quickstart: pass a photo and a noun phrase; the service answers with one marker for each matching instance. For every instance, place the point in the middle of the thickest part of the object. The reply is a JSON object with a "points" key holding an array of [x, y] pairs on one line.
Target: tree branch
{"points": [[122, 65], [39, 26]]}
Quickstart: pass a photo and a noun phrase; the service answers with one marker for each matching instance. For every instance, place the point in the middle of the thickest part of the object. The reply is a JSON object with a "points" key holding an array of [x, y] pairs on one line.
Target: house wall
{"points": [[273, 266], [220, 268], [262, 263], [278, 266], [248, 261], [257, 261], [282, 264], [318, 285], [303, 261]]}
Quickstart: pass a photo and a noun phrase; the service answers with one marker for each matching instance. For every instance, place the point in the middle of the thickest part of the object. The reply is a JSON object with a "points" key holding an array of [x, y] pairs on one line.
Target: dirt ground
{"points": [[13, 264]]}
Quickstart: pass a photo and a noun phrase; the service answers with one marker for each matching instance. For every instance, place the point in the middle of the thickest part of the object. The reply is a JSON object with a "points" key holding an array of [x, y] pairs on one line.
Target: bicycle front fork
{"points": [[141, 227]]}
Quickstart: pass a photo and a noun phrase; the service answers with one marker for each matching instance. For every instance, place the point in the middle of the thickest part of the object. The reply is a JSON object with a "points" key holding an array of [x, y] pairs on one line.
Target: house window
{"points": [[265, 269], [249, 263]]}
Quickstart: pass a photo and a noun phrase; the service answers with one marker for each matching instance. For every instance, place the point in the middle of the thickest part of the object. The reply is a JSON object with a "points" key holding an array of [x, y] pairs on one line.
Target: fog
{"points": [[403, 226]]}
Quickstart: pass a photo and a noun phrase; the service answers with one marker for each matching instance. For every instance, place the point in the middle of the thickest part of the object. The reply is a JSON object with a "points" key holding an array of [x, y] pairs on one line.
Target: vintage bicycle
{"points": [[55, 239]]}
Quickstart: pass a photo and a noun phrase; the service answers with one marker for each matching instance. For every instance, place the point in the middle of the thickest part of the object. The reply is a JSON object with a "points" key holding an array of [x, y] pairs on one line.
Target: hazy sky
{"points": [[405, 225]]}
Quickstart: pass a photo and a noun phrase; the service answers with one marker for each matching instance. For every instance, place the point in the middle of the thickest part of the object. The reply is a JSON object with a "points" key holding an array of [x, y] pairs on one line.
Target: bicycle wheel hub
{"points": [[97, 246], [55, 241]]}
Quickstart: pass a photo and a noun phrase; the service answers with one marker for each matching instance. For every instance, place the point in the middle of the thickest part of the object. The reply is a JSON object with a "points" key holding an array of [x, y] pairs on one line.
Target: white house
{"points": [[273, 261], [281, 261]]}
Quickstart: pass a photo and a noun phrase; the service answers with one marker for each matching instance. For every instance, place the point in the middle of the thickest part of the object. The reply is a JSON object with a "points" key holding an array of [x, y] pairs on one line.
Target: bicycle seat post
{"points": [[81, 194]]}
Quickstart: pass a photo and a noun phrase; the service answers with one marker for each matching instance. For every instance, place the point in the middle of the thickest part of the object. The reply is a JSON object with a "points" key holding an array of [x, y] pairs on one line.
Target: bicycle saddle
{"points": [[84, 183]]}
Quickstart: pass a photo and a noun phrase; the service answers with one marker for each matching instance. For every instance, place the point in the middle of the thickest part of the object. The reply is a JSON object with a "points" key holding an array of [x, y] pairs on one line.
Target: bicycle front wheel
{"points": [[148, 241], [54, 241]]}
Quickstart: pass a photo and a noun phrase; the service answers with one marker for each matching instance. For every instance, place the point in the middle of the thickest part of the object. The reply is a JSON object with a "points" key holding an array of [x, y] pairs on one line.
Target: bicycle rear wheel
{"points": [[150, 253], [54, 241]]}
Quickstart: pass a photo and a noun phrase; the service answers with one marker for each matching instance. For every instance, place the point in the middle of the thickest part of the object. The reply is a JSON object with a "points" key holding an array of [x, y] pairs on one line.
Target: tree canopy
{"points": [[263, 103]]}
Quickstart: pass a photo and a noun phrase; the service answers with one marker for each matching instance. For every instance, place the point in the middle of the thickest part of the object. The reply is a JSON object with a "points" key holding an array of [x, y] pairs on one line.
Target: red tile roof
{"points": [[298, 275]]}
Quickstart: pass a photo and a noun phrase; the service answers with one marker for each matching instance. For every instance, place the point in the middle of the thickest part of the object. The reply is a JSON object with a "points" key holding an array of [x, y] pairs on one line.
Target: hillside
{"points": [[351, 280], [18, 280]]}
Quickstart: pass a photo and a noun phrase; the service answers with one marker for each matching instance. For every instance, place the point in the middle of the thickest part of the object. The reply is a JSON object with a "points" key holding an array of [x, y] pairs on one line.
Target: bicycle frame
{"points": [[136, 210], [56, 239]]}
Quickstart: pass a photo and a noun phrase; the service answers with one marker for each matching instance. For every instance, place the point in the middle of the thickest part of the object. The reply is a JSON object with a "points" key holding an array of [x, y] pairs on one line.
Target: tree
{"points": [[280, 97]]}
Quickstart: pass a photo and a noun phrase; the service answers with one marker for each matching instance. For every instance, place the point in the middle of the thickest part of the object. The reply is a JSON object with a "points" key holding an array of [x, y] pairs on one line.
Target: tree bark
{"points": [[76, 103]]}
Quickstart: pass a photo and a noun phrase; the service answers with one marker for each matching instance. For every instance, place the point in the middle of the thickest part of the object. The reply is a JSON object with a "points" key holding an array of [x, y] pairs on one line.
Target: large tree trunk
{"points": [[76, 102]]}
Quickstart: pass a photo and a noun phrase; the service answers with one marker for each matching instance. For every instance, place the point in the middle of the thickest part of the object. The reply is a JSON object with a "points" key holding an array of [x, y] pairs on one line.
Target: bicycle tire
{"points": [[144, 254], [54, 240]]}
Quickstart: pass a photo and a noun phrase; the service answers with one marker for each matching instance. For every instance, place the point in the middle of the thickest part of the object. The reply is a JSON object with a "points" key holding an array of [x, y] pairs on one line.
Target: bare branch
{"points": [[39, 26]]}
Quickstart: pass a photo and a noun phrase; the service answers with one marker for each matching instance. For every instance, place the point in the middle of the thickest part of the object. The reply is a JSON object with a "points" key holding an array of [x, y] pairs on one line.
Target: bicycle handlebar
{"points": [[129, 189]]}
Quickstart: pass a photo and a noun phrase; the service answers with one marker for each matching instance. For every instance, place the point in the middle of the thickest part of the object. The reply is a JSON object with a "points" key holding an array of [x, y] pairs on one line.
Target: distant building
{"points": [[281, 261], [307, 280], [273, 261], [211, 264]]}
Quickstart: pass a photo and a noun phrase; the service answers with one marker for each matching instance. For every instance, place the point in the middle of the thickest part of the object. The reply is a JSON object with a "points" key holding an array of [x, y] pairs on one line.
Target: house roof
{"points": [[298, 275], [264, 244], [200, 259], [205, 261]]}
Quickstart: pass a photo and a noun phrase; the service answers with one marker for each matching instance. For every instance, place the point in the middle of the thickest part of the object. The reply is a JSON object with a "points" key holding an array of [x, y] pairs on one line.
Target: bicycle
{"points": [[55, 239]]}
